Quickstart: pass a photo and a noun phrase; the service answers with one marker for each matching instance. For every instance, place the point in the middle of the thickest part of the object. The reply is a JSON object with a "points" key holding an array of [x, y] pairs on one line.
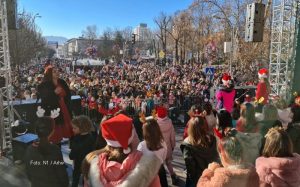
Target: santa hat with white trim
{"points": [[226, 78], [263, 73], [118, 132]]}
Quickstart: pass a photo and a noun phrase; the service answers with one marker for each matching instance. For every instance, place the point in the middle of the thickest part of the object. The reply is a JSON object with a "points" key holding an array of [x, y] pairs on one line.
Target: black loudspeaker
{"points": [[255, 22]]}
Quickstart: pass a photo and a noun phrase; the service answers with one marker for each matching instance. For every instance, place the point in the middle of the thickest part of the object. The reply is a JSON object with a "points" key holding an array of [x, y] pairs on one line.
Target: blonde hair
{"points": [[278, 143], [113, 154], [232, 147], [83, 123], [270, 112]]}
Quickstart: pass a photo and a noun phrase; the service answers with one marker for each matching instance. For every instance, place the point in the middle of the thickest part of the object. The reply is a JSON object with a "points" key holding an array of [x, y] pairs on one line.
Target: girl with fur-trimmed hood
{"points": [[278, 166], [234, 171], [117, 164]]}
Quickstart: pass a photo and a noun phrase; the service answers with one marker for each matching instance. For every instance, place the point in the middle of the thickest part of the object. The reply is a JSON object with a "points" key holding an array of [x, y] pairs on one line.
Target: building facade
{"points": [[77, 46], [142, 32]]}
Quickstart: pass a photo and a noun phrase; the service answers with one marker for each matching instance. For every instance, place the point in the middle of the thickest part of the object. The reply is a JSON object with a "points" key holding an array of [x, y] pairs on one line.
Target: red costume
{"points": [[262, 89]]}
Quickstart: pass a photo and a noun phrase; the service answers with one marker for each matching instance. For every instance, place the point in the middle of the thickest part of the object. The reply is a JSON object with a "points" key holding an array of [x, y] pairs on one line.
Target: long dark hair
{"points": [[248, 114], [43, 128], [152, 135], [48, 75], [225, 120]]}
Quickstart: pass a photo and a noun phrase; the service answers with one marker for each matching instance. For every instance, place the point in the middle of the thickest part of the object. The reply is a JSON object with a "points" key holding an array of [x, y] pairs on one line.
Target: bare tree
{"points": [[126, 33], [105, 50], [90, 33], [163, 22], [27, 41]]}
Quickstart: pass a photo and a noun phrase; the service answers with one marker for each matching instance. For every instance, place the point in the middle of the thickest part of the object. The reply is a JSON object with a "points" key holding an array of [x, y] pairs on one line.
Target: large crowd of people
{"points": [[128, 137]]}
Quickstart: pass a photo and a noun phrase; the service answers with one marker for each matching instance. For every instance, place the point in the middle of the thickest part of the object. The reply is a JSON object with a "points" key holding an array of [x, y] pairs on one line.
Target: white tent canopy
{"points": [[89, 62]]}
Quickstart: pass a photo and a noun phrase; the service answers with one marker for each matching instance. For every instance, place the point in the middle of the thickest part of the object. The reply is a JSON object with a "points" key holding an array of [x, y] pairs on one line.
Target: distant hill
{"points": [[58, 39]]}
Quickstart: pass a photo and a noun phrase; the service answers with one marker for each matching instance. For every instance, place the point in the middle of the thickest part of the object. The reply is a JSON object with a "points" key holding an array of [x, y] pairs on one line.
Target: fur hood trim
{"points": [[142, 175]]}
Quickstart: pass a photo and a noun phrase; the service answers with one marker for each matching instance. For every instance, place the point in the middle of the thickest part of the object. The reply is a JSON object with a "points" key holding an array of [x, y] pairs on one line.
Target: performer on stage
{"points": [[263, 87], [226, 93], [55, 93]]}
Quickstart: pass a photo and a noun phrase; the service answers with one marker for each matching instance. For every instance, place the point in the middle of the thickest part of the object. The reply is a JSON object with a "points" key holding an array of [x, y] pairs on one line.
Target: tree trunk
{"points": [[176, 50]]}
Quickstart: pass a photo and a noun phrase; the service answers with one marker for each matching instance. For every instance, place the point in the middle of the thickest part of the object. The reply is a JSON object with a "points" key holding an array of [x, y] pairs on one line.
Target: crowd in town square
{"points": [[126, 135]]}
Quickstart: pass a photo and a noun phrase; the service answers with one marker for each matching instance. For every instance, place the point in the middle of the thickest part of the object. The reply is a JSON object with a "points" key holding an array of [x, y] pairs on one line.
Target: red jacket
{"points": [[92, 105]]}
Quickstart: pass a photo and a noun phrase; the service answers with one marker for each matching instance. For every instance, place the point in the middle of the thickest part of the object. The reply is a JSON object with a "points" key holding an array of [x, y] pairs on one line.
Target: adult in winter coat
{"points": [[278, 166], [198, 149], [167, 129]]}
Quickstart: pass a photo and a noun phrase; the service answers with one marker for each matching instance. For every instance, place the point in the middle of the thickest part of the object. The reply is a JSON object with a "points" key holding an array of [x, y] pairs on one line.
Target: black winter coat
{"points": [[50, 101], [197, 158], [80, 146]]}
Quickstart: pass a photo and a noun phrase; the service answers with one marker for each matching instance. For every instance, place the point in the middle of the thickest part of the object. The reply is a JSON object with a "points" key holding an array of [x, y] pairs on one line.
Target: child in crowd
{"points": [[270, 119], [118, 164], [224, 121], [278, 166], [234, 171], [198, 149], [44, 162], [235, 114], [247, 122], [210, 117], [168, 132], [154, 143], [81, 144], [195, 111]]}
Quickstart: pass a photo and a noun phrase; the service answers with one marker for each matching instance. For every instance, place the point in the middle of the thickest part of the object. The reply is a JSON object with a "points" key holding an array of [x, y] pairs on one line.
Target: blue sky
{"points": [[69, 17]]}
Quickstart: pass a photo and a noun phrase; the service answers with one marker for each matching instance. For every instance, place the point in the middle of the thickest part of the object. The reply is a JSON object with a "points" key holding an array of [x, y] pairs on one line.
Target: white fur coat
{"points": [[141, 176]]}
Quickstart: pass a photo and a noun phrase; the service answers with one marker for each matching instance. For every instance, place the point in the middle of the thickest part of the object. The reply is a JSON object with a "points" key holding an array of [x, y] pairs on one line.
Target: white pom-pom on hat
{"points": [[226, 78], [263, 73], [118, 132]]}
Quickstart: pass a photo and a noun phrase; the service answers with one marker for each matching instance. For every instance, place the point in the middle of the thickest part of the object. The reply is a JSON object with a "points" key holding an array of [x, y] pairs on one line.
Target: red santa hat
{"points": [[118, 132], [161, 112], [226, 78], [263, 73]]}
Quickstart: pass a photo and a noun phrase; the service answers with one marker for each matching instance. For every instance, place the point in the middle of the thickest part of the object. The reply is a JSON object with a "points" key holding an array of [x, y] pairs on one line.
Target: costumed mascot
{"points": [[263, 87], [55, 94], [226, 93]]}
